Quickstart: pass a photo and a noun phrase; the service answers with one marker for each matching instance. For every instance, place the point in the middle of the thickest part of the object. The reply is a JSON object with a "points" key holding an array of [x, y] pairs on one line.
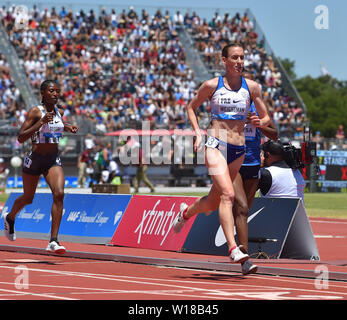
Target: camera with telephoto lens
{"points": [[296, 158], [291, 155]]}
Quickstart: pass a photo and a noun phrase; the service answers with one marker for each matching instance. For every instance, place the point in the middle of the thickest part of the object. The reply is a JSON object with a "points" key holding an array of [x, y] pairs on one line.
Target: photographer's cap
{"points": [[273, 147]]}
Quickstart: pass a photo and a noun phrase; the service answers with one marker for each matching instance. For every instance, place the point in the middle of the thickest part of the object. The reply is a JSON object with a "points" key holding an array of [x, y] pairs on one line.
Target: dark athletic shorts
{"points": [[229, 151], [249, 172], [37, 164]]}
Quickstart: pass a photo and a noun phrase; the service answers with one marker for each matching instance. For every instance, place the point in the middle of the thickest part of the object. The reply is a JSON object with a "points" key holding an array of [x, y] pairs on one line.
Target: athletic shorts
{"points": [[37, 164], [249, 172], [229, 151]]}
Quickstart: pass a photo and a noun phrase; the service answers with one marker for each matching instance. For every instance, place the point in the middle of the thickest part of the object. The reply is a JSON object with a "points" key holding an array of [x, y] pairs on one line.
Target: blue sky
{"points": [[290, 29], [289, 26]]}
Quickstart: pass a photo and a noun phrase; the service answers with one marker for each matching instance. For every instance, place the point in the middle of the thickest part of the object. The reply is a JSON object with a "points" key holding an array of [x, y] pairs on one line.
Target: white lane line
{"points": [[328, 236], [36, 294], [327, 221], [212, 292], [105, 277], [99, 291]]}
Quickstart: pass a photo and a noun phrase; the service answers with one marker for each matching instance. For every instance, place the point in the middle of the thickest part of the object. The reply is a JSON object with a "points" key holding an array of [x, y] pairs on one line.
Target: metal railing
{"points": [[18, 72]]}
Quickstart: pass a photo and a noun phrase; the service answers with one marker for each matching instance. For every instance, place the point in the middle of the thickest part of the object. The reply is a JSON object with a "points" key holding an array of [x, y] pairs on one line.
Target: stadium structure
{"points": [[121, 67]]}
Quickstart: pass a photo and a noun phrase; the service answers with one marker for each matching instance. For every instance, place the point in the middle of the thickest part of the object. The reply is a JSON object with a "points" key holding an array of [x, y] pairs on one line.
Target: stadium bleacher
{"points": [[129, 67]]}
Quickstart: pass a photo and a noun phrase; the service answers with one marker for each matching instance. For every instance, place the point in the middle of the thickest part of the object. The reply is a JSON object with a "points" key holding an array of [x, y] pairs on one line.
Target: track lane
{"points": [[62, 278]]}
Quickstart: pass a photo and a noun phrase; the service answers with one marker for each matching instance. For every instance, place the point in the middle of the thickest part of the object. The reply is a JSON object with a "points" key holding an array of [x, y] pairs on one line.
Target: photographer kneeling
{"points": [[280, 175]]}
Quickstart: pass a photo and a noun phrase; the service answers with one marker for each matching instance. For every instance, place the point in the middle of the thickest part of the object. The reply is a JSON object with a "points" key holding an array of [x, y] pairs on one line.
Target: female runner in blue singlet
{"points": [[246, 181], [45, 126], [230, 98]]}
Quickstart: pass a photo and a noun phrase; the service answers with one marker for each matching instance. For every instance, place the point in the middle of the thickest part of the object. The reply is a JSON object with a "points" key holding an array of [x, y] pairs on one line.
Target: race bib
{"points": [[27, 162], [250, 132], [212, 142]]}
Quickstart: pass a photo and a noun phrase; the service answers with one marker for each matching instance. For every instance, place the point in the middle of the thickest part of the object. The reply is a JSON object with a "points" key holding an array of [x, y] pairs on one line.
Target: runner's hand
{"points": [[255, 121], [48, 117], [197, 143]]}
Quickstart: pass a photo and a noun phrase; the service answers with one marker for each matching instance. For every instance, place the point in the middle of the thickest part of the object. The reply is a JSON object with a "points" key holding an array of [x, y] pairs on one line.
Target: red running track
{"points": [[29, 276]]}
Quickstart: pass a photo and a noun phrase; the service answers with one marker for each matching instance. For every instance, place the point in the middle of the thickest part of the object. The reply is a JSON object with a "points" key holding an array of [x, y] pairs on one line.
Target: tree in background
{"points": [[325, 98], [326, 103], [289, 66]]}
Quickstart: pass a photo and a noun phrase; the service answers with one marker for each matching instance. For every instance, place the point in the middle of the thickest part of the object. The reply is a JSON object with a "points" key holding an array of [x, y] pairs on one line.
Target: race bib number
{"points": [[27, 162], [211, 142], [250, 132]]}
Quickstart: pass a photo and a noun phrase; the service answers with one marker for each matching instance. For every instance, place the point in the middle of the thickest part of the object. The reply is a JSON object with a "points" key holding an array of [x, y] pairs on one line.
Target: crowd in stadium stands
{"points": [[10, 98], [115, 69], [120, 68]]}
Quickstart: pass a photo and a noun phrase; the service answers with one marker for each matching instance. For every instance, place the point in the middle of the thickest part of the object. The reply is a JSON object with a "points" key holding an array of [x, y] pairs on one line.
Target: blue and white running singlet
{"points": [[49, 132], [227, 104], [253, 140]]}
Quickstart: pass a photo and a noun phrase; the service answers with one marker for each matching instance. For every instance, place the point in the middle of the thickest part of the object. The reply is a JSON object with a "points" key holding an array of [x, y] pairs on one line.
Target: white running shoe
{"points": [[180, 221], [55, 247], [248, 268], [237, 256], [7, 229]]}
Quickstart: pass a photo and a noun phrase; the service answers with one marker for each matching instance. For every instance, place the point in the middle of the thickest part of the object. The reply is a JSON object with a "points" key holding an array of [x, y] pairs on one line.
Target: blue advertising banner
{"points": [[93, 215], [17, 182], [87, 218], [34, 218]]}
